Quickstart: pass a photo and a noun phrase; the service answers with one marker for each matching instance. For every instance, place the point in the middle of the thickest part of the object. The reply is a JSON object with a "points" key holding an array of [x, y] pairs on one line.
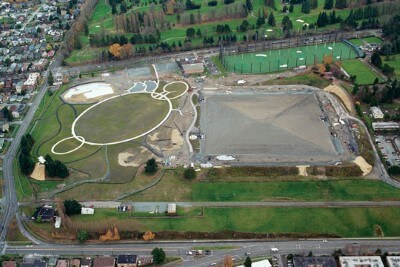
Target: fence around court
{"points": [[277, 55]]}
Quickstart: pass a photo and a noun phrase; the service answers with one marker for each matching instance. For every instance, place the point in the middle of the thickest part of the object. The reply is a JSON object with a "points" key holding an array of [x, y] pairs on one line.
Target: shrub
{"points": [[189, 173], [151, 166]]}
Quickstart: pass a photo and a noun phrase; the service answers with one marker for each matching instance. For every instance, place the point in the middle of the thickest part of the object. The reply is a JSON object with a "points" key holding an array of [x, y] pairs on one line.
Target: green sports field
{"points": [[362, 71], [287, 58]]}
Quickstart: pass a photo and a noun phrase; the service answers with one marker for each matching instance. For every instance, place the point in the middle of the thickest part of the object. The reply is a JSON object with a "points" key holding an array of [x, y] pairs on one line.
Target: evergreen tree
{"points": [[284, 9], [271, 20], [198, 33], [340, 4], [306, 7], [72, 207], [328, 4], [376, 59], [314, 4], [247, 262], [151, 166], [249, 5], [291, 8], [158, 255]]}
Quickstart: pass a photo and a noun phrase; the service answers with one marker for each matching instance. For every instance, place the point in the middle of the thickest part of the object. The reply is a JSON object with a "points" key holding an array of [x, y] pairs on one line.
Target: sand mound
{"points": [[127, 159], [363, 164], [303, 170], [39, 172], [339, 92]]}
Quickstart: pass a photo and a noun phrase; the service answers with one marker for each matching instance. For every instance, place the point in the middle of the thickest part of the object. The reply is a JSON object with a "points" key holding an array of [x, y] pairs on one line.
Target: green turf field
{"points": [[363, 72], [373, 40], [357, 42], [288, 58]]}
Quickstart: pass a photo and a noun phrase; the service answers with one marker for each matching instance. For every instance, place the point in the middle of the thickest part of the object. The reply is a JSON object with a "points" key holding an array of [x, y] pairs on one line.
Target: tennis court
{"points": [[287, 58]]}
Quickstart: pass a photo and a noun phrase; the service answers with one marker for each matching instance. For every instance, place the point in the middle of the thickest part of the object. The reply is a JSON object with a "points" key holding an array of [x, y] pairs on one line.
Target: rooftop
{"points": [[104, 262], [314, 261], [127, 259], [393, 261], [358, 261]]}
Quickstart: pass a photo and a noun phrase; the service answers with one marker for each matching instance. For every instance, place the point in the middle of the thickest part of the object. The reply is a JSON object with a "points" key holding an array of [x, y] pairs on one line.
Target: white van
{"points": [[274, 250]]}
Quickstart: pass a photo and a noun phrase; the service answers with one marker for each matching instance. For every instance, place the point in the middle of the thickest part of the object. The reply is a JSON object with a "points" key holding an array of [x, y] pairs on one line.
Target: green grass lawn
{"points": [[373, 40], [363, 72], [347, 222], [394, 62], [131, 115], [307, 79], [175, 188], [288, 58], [357, 42], [296, 191]]}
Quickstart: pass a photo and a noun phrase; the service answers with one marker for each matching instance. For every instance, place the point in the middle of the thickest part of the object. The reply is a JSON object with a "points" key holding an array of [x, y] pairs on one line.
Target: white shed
{"points": [[87, 210], [171, 208]]}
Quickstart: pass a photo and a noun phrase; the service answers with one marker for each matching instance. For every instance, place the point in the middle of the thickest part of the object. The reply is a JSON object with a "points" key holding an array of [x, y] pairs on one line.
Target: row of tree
{"points": [[25, 160], [99, 40], [376, 94], [55, 168]]}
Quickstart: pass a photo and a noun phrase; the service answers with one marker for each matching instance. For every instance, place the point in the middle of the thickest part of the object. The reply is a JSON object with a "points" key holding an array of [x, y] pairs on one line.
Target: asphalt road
{"points": [[236, 249]]}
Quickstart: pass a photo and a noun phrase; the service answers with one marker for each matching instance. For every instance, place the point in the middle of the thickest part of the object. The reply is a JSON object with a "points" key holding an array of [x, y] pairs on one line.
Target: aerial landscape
{"points": [[200, 133]]}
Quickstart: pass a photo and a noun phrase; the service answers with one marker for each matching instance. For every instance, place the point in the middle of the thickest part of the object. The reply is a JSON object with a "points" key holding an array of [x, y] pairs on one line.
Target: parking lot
{"points": [[389, 148]]}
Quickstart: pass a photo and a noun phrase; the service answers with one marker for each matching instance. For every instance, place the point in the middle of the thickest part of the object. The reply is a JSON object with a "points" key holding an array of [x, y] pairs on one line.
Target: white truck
{"points": [[274, 250]]}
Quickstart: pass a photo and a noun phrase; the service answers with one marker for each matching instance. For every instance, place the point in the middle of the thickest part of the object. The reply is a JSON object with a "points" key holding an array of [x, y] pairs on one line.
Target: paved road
{"points": [[237, 248]]}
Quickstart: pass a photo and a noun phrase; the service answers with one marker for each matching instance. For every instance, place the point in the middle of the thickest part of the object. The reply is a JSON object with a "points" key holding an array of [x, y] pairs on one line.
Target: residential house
{"points": [[9, 263], [75, 263], [62, 263], [104, 261], [35, 263], [52, 261], [45, 213], [86, 262], [127, 261]]}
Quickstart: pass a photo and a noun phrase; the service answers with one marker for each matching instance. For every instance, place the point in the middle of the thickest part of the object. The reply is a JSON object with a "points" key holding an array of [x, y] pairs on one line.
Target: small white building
{"points": [[393, 261], [356, 261], [377, 113], [87, 210], [57, 223], [171, 208]]}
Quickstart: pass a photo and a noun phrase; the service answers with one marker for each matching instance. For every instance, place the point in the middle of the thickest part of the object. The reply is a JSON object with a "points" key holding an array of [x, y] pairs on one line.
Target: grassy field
{"points": [[175, 89], [131, 115], [394, 62], [307, 79], [357, 42], [347, 222], [363, 72], [373, 40], [288, 58], [174, 188]]}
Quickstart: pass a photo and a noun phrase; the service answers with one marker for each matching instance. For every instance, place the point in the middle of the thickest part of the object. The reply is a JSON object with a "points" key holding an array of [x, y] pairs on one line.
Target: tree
{"points": [[270, 3], [72, 207], [287, 24], [306, 7], [148, 236], [271, 20], [328, 4], [115, 50], [50, 78], [7, 114], [26, 164], [86, 28], [151, 166], [340, 4], [158, 255], [190, 32], [314, 4], [247, 262], [291, 8], [376, 59], [355, 89], [189, 173], [198, 33], [82, 236], [284, 9], [249, 5]]}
